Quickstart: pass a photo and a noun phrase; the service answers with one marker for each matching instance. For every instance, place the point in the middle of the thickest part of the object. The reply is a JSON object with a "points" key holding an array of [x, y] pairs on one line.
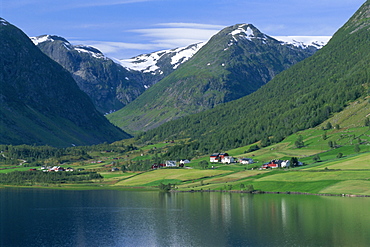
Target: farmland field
{"points": [[178, 174], [361, 161], [299, 176], [358, 187]]}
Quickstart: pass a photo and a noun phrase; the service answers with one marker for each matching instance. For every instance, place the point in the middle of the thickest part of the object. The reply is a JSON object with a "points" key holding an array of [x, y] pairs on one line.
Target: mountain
{"points": [[161, 63], [40, 103], [299, 98], [305, 41], [164, 62], [109, 85], [233, 63]]}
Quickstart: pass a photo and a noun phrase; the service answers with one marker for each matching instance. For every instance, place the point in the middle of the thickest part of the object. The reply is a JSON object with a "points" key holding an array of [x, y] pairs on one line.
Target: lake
{"points": [[33, 217]]}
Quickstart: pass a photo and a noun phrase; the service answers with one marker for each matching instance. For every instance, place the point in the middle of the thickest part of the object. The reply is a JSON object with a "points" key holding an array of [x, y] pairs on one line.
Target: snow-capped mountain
{"points": [[232, 64], [80, 48], [108, 84], [305, 41], [160, 62]]}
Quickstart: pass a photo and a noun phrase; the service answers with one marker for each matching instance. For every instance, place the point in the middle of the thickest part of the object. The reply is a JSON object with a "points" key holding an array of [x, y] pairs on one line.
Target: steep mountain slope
{"points": [[299, 98], [234, 63], [109, 85], [40, 102]]}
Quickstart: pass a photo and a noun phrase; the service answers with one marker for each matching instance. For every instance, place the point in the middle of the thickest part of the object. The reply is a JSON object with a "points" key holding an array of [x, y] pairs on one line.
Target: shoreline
{"points": [[269, 192], [179, 191]]}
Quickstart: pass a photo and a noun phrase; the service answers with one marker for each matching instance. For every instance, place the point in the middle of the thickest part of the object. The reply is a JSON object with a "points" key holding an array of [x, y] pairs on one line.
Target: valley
{"points": [[125, 165], [243, 93]]}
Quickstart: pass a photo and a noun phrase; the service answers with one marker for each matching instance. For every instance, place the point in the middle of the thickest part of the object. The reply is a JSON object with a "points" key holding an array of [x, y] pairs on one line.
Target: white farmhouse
{"points": [[183, 162], [227, 159], [170, 163], [246, 161]]}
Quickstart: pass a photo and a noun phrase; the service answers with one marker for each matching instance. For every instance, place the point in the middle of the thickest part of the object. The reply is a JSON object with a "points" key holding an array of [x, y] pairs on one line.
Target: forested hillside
{"points": [[40, 103], [233, 63], [299, 98]]}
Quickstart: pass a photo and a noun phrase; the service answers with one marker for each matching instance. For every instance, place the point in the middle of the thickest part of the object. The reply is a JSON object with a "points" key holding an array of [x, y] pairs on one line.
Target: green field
{"points": [[361, 161], [180, 175], [356, 187]]}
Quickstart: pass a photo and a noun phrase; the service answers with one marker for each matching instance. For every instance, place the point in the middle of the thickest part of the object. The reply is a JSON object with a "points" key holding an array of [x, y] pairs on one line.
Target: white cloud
{"points": [[191, 25], [168, 36], [177, 33], [119, 50]]}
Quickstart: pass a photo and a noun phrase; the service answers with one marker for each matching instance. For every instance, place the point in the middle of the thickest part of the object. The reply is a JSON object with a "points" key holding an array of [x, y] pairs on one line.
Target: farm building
{"points": [[214, 157], [221, 157], [170, 163], [276, 164], [246, 161]]}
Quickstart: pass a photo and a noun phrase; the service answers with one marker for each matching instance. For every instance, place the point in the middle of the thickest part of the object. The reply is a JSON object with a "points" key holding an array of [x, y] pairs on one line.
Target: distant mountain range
{"points": [[152, 88], [111, 83], [156, 62], [40, 103], [233, 63], [301, 97]]}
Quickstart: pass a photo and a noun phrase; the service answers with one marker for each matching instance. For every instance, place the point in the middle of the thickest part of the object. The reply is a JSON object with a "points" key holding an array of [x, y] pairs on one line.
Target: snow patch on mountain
{"points": [[3, 22], [79, 48], [145, 63], [41, 39], [90, 50], [184, 54], [245, 31], [304, 41], [241, 31], [148, 63]]}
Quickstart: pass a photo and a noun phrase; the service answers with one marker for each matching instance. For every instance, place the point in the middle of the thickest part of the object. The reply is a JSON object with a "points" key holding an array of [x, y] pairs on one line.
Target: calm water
{"points": [[122, 218]]}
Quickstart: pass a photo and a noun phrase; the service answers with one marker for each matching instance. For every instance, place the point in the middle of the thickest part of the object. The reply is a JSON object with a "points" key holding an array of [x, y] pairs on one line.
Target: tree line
{"points": [[11, 154], [33, 177]]}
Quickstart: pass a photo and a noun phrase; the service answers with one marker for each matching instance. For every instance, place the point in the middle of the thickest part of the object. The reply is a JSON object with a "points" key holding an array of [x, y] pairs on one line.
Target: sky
{"points": [[126, 28]]}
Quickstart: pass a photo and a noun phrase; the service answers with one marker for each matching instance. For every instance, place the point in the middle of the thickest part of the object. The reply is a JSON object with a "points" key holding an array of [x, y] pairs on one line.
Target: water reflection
{"points": [[121, 218]]}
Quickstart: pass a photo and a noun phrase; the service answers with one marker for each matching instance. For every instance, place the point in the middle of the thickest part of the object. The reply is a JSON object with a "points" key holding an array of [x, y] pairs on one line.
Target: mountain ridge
{"points": [[299, 98], [233, 63], [40, 102], [109, 85]]}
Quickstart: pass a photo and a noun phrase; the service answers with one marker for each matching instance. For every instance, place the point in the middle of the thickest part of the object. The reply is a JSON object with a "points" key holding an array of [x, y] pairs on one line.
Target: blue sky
{"points": [[125, 28]]}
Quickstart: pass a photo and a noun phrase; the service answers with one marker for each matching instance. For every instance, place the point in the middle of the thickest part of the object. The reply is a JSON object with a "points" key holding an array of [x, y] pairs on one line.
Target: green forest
{"points": [[299, 98]]}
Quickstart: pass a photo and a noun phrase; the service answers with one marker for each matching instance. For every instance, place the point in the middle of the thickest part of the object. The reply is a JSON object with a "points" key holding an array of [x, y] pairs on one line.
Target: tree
{"points": [[123, 168], [357, 148], [294, 161], [328, 126], [252, 148], [331, 144], [242, 186], [367, 121], [339, 155], [265, 142], [164, 187], [203, 164], [324, 136], [299, 142], [250, 187], [316, 158]]}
